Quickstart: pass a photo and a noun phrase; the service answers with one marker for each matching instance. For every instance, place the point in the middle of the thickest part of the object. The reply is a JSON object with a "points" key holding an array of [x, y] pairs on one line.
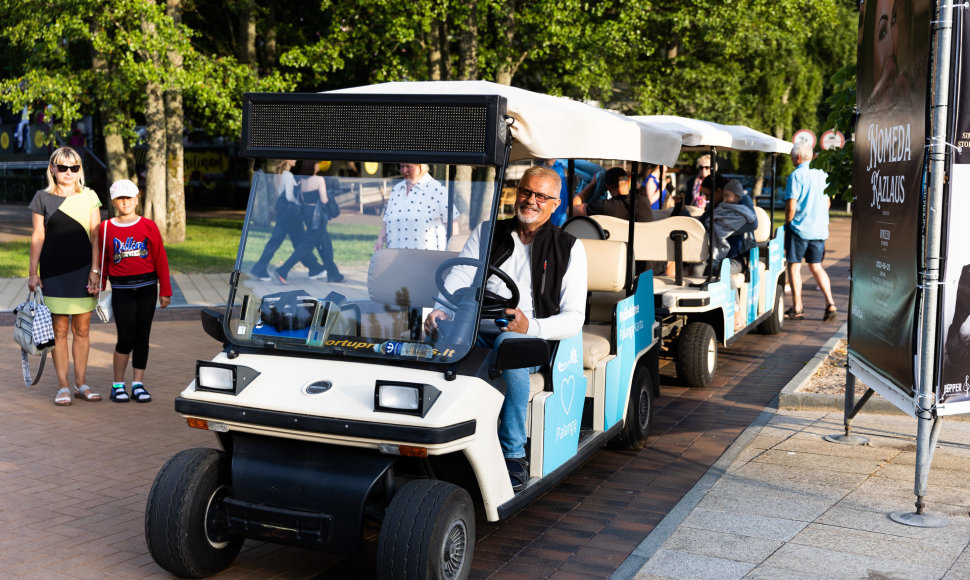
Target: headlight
{"points": [[408, 398], [222, 378]]}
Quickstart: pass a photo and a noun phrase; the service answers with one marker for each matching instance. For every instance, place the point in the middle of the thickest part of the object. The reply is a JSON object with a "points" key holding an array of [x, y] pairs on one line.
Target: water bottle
{"points": [[397, 348]]}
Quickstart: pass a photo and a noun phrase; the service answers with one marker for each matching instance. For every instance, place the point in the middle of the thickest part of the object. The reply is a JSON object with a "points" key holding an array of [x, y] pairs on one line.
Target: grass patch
{"points": [[211, 245]]}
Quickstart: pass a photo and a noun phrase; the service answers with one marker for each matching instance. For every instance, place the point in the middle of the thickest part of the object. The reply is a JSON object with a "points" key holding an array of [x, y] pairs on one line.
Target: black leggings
{"points": [[134, 309]]}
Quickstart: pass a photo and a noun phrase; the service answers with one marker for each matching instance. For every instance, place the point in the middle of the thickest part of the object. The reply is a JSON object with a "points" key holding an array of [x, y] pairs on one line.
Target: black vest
{"points": [[551, 248]]}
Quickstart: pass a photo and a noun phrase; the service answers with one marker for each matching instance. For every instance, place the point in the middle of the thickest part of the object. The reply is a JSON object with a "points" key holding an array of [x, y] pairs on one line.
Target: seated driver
{"points": [[549, 268]]}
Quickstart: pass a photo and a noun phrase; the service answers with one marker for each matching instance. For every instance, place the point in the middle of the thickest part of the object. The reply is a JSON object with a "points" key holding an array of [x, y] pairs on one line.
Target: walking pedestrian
{"points": [[806, 229]]}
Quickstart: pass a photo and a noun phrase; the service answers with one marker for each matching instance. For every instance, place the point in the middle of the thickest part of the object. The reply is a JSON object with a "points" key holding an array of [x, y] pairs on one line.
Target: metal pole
{"points": [[931, 270]]}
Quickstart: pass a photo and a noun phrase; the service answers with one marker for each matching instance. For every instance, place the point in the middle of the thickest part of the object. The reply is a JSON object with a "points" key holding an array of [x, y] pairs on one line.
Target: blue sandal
{"points": [[119, 394], [140, 395]]}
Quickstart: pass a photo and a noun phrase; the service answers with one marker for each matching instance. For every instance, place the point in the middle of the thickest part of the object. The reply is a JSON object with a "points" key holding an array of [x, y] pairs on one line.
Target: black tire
{"points": [[183, 532], [639, 413], [697, 354], [774, 323], [428, 533]]}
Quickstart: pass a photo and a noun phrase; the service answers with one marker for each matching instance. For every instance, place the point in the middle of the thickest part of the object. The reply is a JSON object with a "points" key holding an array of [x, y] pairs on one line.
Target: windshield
{"points": [[346, 258]]}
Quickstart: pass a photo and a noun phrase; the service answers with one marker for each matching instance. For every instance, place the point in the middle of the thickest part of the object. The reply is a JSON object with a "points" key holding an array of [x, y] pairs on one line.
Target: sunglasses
{"points": [[65, 168], [703, 166], [540, 197]]}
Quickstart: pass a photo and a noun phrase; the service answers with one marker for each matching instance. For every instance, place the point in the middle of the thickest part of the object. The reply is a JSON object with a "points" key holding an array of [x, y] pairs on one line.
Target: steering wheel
{"points": [[493, 305]]}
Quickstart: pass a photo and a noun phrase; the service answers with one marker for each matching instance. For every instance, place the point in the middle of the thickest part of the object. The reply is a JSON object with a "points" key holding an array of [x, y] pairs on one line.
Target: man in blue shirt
{"points": [[806, 229]]}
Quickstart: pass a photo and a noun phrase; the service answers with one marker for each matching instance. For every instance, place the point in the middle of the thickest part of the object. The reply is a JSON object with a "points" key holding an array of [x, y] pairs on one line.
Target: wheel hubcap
{"points": [[453, 551], [644, 410], [215, 520]]}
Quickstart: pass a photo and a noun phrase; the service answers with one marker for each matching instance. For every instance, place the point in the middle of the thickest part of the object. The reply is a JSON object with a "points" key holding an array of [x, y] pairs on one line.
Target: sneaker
{"points": [[279, 277], [262, 276], [336, 278], [319, 275], [518, 468]]}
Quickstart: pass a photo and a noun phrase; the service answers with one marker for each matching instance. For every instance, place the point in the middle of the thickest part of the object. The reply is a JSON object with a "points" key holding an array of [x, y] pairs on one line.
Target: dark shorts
{"points": [[797, 249]]}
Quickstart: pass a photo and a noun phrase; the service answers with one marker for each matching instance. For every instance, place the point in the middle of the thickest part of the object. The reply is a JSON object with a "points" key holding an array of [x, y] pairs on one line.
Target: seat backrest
{"points": [[605, 265], [653, 240], [405, 277], [584, 228], [617, 229], [763, 233]]}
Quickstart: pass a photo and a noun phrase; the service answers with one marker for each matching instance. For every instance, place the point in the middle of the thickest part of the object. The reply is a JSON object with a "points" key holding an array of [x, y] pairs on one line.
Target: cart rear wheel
{"points": [[185, 528], [639, 413], [773, 324], [428, 532], [697, 354]]}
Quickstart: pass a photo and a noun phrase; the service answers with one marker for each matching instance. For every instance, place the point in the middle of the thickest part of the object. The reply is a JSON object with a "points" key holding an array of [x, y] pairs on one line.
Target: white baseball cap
{"points": [[123, 188]]}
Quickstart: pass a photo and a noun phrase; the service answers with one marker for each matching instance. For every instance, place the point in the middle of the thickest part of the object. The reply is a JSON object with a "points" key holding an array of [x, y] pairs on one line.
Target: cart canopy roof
{"points": [[697, 134], [556, 127]]}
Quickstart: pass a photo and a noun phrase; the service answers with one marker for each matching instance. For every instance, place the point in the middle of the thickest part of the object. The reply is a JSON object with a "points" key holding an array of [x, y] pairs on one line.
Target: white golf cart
{"points": [[698, 314], [335, 414]]}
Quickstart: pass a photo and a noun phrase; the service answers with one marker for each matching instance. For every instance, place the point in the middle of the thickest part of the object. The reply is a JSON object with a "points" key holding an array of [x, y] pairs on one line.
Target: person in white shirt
{"points": [[548, 267], [416, 217]]}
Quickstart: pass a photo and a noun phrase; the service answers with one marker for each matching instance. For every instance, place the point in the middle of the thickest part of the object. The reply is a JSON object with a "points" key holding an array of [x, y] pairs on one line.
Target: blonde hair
{"points": [[543, 172], [64, 156]]}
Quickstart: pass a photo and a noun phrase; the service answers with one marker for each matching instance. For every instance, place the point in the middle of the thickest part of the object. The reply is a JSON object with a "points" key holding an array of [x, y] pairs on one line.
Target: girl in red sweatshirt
{"points": [[135, 262]]}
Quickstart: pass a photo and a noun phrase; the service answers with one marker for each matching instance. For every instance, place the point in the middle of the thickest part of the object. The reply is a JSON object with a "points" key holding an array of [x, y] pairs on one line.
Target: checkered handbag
{"points": [[34, 332]]}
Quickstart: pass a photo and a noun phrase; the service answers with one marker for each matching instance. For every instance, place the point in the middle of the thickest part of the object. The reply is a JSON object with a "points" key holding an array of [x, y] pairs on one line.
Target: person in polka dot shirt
{"points": [[417, 212]]}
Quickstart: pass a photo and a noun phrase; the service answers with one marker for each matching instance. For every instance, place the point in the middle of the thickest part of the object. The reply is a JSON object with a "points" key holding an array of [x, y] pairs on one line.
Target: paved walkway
{"points": [[726, 488]]}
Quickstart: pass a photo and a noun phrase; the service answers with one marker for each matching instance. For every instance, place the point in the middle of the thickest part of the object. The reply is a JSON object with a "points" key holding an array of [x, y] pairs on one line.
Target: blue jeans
{"points": [[511, 431]]}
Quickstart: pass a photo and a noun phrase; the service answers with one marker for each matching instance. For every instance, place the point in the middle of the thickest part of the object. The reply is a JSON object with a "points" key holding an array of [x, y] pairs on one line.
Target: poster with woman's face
{"points": [[892, 88]]}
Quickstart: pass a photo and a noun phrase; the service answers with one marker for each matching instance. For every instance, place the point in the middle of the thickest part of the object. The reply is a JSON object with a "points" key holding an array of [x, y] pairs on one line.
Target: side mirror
{"points": [[517, 353], [212, 324]]}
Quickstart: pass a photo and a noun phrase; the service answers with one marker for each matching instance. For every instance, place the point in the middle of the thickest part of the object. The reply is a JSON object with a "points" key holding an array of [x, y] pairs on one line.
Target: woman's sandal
{"points": [[793, 314], [63, 397], [84, 392], [830, 312], [119, 394], [140, 394]]}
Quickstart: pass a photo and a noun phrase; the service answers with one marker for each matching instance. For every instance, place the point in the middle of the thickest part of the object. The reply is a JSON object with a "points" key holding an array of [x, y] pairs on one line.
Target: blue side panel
{"points": [[775, 265], [634, 334], [564, 409], [754, 287], [723, 297]]}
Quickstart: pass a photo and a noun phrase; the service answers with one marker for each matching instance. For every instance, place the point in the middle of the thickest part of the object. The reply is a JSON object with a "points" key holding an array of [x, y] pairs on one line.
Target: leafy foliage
{"points": [[838, 162]]}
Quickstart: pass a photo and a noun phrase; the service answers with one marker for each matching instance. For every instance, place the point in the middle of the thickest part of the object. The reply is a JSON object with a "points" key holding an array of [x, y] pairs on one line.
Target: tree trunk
{"points": [[433, 48], [156, 207], [468, 47], [506, 67], [113, 120], [247, 32], [270, 56], [175, 158]]}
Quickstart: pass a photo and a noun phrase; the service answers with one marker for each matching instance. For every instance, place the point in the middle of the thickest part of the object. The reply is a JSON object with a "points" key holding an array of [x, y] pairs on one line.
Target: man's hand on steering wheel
{"points": [[518, 322], [431, 322]]}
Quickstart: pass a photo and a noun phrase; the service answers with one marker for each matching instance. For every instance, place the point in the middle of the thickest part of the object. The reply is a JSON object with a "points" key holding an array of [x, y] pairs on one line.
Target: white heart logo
{"points": [[566, 391]]}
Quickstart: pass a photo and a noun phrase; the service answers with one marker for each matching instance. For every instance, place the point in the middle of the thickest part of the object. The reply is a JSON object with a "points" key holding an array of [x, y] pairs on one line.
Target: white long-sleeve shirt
{"points": [[572, 295]]}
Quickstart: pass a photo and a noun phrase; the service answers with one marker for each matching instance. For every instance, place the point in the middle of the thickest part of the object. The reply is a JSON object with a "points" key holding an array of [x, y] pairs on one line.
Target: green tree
{"points": [[119, 58]]}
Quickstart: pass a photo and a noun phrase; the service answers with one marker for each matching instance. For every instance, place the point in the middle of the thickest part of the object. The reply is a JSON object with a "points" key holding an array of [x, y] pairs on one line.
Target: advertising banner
{"points": [[893, 59], [953, 389]]}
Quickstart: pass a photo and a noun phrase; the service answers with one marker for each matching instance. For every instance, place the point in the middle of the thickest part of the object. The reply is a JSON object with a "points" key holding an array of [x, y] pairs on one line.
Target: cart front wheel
{"points": [[428, 532], [185, 527], [697, 354]]}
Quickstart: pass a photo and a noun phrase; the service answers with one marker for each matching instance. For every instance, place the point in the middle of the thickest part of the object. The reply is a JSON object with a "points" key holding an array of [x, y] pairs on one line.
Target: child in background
{"points": [[136, 264]]}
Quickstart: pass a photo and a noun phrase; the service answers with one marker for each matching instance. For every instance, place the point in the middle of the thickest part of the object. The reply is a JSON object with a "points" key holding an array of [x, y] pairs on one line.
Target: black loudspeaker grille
{"points": [[369, 127]]}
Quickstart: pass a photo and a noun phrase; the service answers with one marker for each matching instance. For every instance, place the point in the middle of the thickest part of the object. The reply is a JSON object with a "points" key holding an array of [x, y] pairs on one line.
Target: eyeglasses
{"points": [[65, 168], [540, 197]]}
